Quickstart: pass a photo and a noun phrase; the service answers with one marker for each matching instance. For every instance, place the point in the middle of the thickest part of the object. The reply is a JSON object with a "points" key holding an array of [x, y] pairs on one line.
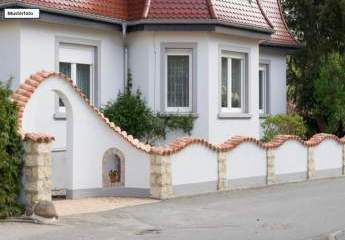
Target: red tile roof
{"points": [[242, 12], [116, 9], [179, 9], [282, 36], [261, 15]]}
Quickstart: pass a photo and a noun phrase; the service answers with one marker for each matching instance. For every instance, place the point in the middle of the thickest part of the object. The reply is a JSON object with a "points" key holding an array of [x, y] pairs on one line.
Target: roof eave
{"points": [[294, 46], [200, 21]]}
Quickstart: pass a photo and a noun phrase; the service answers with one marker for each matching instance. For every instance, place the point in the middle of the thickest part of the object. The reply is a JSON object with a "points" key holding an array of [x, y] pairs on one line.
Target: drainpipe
{"points": [[125, 55]]}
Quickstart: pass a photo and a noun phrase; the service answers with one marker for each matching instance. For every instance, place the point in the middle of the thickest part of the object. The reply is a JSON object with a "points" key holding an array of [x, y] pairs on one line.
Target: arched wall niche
{"points": [[113, 168]]}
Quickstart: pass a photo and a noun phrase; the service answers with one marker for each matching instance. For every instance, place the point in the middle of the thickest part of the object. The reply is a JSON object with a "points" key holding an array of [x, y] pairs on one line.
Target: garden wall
{"points": [[188, 166], [199, 167]]}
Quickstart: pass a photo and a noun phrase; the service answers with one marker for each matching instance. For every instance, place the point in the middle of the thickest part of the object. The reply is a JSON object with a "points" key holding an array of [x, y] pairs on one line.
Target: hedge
{"points": [[11, 153]]}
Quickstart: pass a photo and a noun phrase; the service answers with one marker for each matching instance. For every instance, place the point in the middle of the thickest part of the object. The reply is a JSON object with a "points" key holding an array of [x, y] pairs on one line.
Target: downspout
{"points": [[125, 55]]}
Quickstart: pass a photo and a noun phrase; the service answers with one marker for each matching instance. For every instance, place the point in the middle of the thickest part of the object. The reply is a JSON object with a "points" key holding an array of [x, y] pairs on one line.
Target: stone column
{"points": [[37, 171], [271, 174], [311, 163], [161, 179], [222, 172]]}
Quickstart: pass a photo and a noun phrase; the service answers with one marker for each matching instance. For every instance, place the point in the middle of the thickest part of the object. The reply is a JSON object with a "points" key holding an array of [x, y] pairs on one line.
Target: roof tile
{"points": [[260, 14], [273, 11]]}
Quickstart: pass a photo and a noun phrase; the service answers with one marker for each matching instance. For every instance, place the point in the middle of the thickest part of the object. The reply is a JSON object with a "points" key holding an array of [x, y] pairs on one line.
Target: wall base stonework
{"points": [[311, 163], [160, 177], [222, 172], [37, 171], [271, 175]]}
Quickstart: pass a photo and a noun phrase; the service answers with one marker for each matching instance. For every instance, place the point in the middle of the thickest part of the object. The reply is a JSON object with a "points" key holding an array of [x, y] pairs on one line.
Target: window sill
{"points": [[59, 116], [234, 115], [56, 150], [166, 114]]}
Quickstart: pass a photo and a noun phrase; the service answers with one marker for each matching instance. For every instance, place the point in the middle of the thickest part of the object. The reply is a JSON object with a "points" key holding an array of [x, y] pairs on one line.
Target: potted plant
{"points": [[114, 175]]}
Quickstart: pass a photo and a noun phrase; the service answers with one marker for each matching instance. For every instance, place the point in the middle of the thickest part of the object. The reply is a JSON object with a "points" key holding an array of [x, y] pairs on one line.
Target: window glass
{"points": [[84, 78], [261, 90], [178, 81], [66, 69], [232, 82], [224, 82], [236, 83]]}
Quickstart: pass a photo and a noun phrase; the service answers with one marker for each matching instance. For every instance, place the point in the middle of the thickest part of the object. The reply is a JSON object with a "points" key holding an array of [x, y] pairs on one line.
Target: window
{"points": [[263, 88], [178, 80], [232, 82], [77, 62]]}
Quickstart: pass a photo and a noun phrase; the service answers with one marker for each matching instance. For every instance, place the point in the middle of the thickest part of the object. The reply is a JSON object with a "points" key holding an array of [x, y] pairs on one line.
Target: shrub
{"points": [[283, 124], [11, 153], [176, 122], [130, 113]]}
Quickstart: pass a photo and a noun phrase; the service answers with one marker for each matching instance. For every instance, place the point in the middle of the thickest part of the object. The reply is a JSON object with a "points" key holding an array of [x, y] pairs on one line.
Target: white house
{"points": [[224, 61]]}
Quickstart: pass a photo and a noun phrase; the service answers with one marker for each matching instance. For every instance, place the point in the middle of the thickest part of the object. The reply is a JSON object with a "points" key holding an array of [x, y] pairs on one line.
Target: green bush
{"points": [[11, 153], [283, 124], [130, 113], [178, 122]]}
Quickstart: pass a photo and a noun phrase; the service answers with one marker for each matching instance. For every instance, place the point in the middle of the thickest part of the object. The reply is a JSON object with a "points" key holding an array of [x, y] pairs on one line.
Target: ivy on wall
{"points": [[11, 153], [175, 122]]}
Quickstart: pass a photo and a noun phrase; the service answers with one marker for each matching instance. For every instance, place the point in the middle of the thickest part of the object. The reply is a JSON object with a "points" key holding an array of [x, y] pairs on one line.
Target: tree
{"points": [[11, 153], [320, 26], [329, 94]]}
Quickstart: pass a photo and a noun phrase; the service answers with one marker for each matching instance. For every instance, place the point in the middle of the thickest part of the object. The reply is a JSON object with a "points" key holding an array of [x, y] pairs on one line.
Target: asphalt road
{"points": [[300, 211]]}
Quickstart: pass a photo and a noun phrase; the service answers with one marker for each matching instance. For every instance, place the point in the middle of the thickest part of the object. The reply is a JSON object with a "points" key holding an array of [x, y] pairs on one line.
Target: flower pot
{"points": [[114, 176]]}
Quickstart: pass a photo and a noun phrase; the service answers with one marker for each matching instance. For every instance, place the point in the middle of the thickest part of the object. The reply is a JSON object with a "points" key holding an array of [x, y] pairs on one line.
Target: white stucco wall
{"points": [[38, 52], [276, 59], [88, 139], [328, 155], [291, 157], [9, 52], [194, 164], [246, 161], [145, 64]]}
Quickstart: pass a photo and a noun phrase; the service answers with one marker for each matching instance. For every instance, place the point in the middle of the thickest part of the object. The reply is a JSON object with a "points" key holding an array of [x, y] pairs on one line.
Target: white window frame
{"points": [[179, 52], [230, 56], [263, 68], [75, 59]]}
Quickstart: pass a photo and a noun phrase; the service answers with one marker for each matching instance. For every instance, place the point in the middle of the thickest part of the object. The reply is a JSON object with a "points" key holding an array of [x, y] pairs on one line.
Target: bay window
{"points": [[178, 80], [233, 82]]}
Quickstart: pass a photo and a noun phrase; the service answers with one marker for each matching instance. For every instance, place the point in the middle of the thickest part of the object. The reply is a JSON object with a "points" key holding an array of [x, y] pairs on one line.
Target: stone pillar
{"points": [[271, 174], [37, 171], [161, 179], [222, 172], [343, 148], [311, 163]]}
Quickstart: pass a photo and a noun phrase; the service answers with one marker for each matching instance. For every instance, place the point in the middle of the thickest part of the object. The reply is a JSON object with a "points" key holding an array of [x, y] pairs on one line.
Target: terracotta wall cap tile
{"points": [[22, 95], [38, 137]]}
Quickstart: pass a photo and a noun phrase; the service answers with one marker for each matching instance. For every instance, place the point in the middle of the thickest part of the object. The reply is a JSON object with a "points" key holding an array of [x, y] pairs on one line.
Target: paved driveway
{"points": [[294, 211]]}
